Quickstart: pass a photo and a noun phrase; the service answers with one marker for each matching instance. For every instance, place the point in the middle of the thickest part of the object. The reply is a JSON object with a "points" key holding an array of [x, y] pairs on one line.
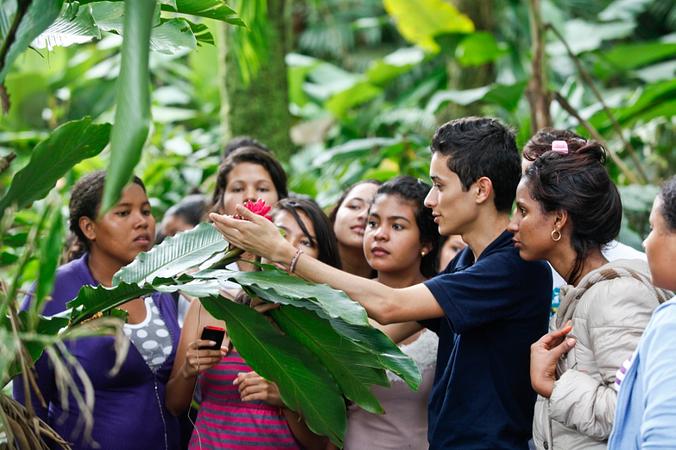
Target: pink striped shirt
{"points": [[225, 422]]}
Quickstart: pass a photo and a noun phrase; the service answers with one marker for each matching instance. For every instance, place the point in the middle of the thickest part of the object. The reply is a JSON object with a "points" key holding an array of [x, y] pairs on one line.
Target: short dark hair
{"points": [[668, 197], [414, 192], [541, 142], [346, 192], [243, 141], [85, 200], [191, 209], [251, 155], [578, 183], [481, 147], [325, 238]]}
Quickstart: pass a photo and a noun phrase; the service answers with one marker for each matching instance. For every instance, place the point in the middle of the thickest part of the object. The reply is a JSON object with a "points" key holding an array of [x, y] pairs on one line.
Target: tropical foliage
{"points": [[368, 82]]}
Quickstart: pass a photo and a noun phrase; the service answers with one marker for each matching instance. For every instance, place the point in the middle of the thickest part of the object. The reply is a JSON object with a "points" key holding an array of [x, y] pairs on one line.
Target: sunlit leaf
{"points": [[419, 21]]}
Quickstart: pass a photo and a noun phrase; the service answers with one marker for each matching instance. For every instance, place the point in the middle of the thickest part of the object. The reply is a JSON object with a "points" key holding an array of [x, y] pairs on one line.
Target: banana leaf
{"points": [[353, 368], [304, 384]]}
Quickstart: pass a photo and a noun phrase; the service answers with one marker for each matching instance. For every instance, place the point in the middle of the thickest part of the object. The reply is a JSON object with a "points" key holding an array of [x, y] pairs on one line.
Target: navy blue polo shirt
{"points": [[495, 308]]}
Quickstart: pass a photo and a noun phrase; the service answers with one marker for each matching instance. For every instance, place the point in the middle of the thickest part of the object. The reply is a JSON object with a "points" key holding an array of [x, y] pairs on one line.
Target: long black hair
{"points": [[414, 192], [325, 238]]}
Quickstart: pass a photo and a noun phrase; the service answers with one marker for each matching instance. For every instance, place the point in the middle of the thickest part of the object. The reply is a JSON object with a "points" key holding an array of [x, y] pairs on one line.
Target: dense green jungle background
{"points": [[339, 89]]}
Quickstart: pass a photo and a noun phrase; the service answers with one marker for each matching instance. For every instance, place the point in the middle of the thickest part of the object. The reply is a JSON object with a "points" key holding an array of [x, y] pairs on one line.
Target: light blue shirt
{"points": [[645, 417]]}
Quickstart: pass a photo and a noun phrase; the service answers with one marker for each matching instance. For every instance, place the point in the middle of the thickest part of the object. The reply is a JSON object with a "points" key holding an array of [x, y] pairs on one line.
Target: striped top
{"points": [[226, 422]]}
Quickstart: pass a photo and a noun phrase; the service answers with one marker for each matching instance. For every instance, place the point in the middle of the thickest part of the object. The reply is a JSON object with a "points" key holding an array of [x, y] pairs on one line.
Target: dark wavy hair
{"points": [[579, 184], [668, 197], [414, 192], [343, 196], [85, 200], [481, 147], [243, 141], [325, 238], [251, 155]]}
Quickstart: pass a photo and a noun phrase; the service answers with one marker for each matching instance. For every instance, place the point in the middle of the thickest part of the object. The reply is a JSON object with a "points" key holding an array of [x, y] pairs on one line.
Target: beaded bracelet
{"points": [[294, 260]]}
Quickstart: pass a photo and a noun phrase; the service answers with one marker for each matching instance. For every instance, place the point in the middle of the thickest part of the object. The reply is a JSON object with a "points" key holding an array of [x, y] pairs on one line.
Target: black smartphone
{"points": [[215, 334]]}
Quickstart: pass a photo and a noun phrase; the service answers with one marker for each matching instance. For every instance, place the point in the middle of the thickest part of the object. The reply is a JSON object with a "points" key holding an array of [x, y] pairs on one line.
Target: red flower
{"points": [[259, 207]]}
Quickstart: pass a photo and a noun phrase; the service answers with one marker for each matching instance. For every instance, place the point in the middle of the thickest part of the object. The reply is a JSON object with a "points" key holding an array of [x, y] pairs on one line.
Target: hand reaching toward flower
{"points": [[254, 234]]}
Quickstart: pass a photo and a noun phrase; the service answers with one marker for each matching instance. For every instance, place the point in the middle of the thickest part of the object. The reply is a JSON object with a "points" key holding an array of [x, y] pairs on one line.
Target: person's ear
{"points": [[425, 250], [561, 219], [88, 227], [484, 189]]}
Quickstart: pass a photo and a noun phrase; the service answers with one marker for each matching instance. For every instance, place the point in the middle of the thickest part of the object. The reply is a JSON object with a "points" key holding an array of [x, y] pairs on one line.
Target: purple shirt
{"points": [[129, 408]]}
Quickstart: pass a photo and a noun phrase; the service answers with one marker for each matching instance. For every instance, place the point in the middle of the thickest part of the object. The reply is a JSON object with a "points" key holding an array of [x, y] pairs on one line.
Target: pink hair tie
{"points": [[560, 147]]}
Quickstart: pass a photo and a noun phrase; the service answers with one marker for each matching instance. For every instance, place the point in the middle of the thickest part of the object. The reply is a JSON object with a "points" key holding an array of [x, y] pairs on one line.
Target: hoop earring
{"points": [[557, 233]]}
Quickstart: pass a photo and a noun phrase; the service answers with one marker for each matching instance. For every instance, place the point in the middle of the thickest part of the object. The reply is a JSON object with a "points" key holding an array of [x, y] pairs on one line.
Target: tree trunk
{"points": [[538, 93], [261, 109]]}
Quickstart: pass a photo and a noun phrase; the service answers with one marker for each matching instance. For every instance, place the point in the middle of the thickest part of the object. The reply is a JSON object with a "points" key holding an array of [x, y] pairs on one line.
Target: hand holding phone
{"points": [[215, 334], [201, 355]]}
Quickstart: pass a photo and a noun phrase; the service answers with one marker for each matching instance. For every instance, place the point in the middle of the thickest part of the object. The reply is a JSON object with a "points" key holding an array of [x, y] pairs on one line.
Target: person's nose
{"points": [[381, 234], [250, 194], [431, 198], [513, 225], [141, 220]]}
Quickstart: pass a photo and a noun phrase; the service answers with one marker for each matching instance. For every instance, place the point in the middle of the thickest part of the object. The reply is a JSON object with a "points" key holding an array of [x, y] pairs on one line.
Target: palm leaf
{"points": [[174, 255]]}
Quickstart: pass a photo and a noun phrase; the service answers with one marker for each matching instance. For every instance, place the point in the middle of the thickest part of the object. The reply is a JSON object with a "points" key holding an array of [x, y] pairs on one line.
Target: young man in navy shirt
{"points": [[487, 307]]}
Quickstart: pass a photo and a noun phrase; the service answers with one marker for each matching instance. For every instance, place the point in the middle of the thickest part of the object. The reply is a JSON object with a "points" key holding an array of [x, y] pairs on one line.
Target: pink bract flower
{"points": [[259, 207]]}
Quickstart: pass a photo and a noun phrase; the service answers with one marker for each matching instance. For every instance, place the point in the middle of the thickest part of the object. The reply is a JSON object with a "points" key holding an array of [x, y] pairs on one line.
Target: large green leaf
{"points": [[75, 25], [52, 158], [653, 100], [20, 25], [346, 316], [286, 289], [625, 57], [132, 115], [174, 255], [172, 36], [212, 9], [94, 299], [304, 384], [50, 253], [477, 49], [353, 368], [507, 96], [419, 21]]}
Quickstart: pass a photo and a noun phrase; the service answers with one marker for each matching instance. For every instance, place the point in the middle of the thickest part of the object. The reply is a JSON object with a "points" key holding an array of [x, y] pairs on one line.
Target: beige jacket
{"points": [[609, 310]]}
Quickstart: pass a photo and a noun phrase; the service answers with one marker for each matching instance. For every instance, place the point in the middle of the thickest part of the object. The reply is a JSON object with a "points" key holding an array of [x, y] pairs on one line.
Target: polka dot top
{"points": [[150, 337]]}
